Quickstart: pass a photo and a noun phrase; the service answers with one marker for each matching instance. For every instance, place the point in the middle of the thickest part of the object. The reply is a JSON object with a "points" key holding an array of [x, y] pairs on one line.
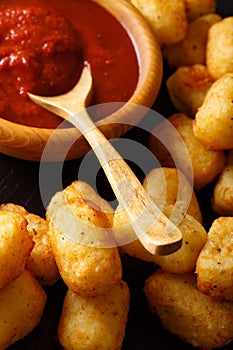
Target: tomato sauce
{"points": [[44, 45]]}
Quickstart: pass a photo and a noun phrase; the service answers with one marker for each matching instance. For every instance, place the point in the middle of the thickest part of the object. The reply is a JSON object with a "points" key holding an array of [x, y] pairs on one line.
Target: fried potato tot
{"points": [[192, 49], [185, 311], [181, 261], [15, 246], [187, 88], [81, 190], [197, 8], [213, 125], [41, 260], [162, 186], [21, 307], [127, 239], [166, 183], [219, 49], [94, 323], [194, 238], [215, 262], [14, 208], [206, 164], [222, 201], [87, 269], [166, 17]]}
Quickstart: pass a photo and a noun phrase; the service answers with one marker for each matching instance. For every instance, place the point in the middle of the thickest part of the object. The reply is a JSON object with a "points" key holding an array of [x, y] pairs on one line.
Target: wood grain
{"points": [[154, 230], [28, 143]]}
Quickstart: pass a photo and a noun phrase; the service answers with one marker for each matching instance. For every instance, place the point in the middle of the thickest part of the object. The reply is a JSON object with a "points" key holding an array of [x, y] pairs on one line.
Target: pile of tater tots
{"points": [[191, 290]]}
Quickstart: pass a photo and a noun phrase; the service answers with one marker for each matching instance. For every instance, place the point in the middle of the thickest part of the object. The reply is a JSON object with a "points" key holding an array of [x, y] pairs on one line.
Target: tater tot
{"points": [[80, 189], [213, 125], [197, 8], [14, 208], [128, 241], [194, 237], [187, 88], [166, 183], [94, 323], [154, 183], [219, 50], [192, 49], [215, 262], [166, 17], [85, 268], [183, 260], [15, 246], [41, 260], [207, 164], [222, 201], [185, 311], [22, 304]]}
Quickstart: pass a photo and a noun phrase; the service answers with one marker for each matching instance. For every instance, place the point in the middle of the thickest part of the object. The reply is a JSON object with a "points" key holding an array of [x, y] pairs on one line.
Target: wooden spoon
{"points": [[154, 230]]}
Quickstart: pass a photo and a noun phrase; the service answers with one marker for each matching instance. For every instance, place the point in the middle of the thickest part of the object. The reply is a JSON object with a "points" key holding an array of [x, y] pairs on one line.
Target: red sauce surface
{"points": [[43, 51]]}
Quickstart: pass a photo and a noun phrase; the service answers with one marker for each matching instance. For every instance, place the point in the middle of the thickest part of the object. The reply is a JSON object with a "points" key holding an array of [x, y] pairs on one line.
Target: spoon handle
{"points": [[155, 231], [157, 234]]}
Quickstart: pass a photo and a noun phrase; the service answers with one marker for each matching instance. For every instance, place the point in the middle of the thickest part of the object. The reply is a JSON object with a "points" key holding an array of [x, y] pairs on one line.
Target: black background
{"points": [[19, 184]]}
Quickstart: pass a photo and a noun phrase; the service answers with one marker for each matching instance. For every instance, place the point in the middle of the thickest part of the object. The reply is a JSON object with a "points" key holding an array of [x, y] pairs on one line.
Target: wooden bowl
{"points": [[29, 142]]}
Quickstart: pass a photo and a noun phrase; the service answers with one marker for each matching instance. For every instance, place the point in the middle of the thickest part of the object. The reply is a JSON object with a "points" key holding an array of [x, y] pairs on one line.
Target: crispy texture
{"points": [[219, 50], [207, 164], [21, 307], [187, 88], [80, 189], [197, 8], [94, 323], [14, 208], [183, 260], [215, 262], [127, 239], [86, 270], [165, 183], [194, 238], [193, 316], [15, 246], [214, 120], [166, 17], [192, 49], [41, 260], [222, 201], [154, 184]]}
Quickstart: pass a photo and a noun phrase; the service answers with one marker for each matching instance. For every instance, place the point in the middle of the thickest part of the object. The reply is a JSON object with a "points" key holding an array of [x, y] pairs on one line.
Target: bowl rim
{"points": [[15, 136]]}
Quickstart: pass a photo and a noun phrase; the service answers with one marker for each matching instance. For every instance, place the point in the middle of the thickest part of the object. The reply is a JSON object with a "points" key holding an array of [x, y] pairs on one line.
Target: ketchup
{"points": [[43, 51]]}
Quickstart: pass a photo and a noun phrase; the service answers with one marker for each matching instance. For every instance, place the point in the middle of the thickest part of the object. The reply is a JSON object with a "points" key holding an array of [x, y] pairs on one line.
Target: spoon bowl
{"points": [[26, 142]]}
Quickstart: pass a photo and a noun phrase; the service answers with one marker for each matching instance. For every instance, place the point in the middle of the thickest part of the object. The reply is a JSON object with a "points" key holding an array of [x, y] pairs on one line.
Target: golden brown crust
{"points": [[94, 323], [21, 303], [184, 310], [15, 246]]}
